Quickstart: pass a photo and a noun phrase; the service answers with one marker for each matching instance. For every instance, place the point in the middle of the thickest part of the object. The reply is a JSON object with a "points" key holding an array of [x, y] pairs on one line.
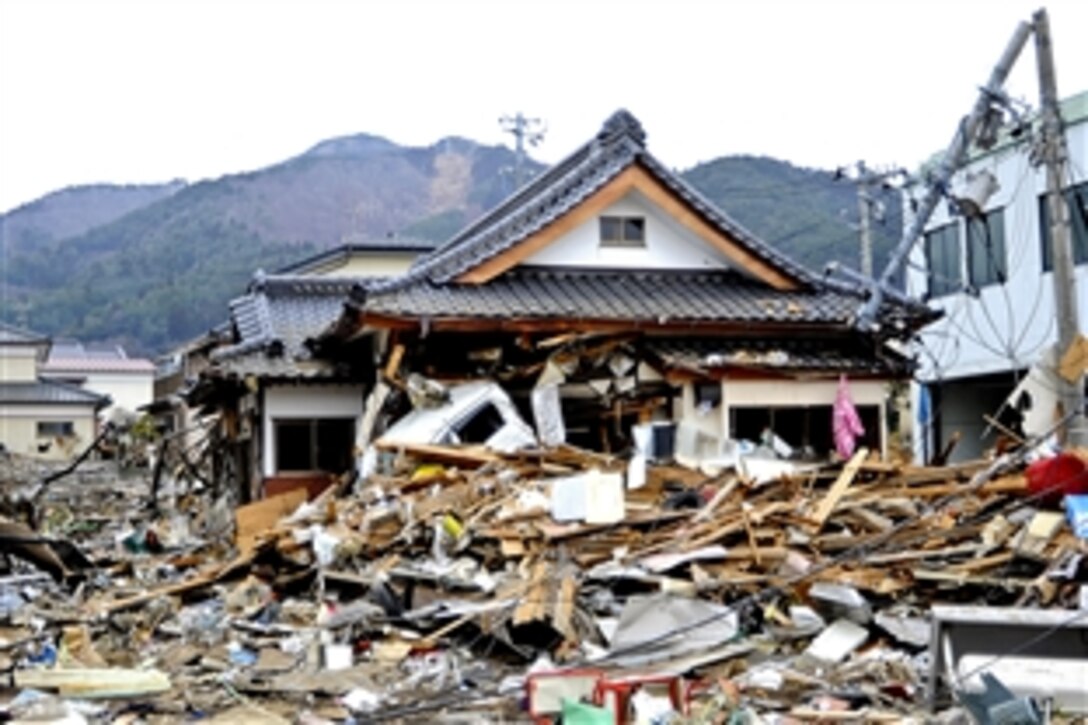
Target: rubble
{"points": [[461, 582]]}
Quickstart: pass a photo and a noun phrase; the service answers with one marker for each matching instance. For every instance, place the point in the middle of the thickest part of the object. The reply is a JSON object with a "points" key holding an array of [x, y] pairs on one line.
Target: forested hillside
{"points": [[153, 266]]}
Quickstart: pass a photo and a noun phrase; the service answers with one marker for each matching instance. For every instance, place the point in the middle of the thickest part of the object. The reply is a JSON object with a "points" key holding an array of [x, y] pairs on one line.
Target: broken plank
{"points": [[985, 562], [189, 585], [931, 575], [1015, 483], [256, 518], [95, 683], [392, 365], [467, 457], [827, 505]]}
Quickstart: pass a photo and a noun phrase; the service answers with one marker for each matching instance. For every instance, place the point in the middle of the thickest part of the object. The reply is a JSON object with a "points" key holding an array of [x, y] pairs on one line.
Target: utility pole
{"points": [[1054, 155], [868, 181], [952, 159], [865, 208], [525, 131]]}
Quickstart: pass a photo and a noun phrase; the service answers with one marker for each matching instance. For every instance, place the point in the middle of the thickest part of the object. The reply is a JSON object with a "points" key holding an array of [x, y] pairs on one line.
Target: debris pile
{"points": [[535, 583]]}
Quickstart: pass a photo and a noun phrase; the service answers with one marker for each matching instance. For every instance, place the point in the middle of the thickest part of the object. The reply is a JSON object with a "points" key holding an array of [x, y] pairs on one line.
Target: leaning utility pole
{"points": [[524, 130], [1054, 155], [952, 159]]}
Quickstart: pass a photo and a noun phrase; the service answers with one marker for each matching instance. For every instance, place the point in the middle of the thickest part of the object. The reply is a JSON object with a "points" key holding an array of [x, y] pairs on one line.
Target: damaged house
{"points": [[604, 294]]}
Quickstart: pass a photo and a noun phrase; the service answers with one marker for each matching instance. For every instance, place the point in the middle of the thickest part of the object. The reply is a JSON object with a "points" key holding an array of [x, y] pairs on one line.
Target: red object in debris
{"points": [[1052, 478]]}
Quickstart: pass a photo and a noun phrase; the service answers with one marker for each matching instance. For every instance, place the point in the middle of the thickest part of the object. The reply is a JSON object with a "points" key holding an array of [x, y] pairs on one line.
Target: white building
{"points": [[991, 276], [103, 369], [39, 417]]}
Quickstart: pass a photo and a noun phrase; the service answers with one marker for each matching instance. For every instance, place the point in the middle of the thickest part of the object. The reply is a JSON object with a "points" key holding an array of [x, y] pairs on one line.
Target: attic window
{"points": [[623, 231]]}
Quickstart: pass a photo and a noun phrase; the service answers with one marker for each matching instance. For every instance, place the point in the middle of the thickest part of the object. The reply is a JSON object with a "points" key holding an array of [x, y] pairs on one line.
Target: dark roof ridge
{"points": [[618, 145], [275, 284]]}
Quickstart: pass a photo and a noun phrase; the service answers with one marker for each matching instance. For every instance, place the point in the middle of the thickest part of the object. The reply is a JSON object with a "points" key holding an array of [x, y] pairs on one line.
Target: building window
{"points": [[56, 429], [314, 444], [942, 248], [986, 262], [623, 231], [1077, 198], [805, 428]]}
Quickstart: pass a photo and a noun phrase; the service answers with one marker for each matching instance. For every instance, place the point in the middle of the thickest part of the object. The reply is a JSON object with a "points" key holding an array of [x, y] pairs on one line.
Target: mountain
{"points": [[804, 212], [164, 271], [74, 210]]}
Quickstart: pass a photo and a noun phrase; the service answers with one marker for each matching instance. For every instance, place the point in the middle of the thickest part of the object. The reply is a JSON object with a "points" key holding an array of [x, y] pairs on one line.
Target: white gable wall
{"points": [[306, 401], [18, 363], [669, 245]]}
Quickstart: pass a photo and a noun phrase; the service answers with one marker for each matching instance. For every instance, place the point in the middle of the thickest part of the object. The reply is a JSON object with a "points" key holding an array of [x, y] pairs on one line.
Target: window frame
{"points": [[942, 285], [622, 241], [313, 447], [982, 229], [67, 429], [1076, 197]]}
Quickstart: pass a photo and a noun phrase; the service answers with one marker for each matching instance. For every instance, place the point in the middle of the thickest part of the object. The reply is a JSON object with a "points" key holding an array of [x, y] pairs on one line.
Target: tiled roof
{"points": [[620, 295], [275, 318], [50, 392], [96, 365], [619, 145], [796, 354], [11, 335]]}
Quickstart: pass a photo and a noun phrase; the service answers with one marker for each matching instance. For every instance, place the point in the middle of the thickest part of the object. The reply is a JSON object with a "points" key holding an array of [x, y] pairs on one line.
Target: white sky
{"points": [[147, 91]]}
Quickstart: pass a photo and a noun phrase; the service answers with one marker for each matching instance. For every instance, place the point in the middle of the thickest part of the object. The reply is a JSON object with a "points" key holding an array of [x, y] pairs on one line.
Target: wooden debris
{"points": [[95, 683], [823, 509], [257, 518]]}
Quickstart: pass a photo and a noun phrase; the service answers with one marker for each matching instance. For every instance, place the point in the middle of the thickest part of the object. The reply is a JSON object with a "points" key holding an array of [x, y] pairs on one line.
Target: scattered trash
{"points": [[540, 582]]}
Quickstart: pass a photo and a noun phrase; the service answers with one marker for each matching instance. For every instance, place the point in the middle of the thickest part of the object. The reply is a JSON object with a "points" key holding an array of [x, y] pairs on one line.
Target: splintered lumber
{"points": [[183, 587], [392, 365], [985, 562], [912, 475], [465, 457], [827, 505], [1015, 483], [95, 683], [256, 518]]}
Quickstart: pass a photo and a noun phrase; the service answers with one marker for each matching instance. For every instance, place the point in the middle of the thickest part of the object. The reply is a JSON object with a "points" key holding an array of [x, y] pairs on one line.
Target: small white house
{"points": [[991, 276], [40, 417]]}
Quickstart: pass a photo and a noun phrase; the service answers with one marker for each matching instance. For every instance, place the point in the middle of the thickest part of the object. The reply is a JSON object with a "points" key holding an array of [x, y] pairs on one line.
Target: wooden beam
{"points": [[633, 178], [469, 457], [828, 503]]}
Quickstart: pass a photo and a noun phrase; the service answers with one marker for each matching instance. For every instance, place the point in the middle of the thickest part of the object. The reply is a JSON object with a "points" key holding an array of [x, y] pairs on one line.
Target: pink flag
{"points": [[845, 422]]}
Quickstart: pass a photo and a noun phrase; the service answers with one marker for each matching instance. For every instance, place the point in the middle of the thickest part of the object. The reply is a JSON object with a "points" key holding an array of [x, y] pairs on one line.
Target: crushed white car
{"points": [[479, 413]]}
